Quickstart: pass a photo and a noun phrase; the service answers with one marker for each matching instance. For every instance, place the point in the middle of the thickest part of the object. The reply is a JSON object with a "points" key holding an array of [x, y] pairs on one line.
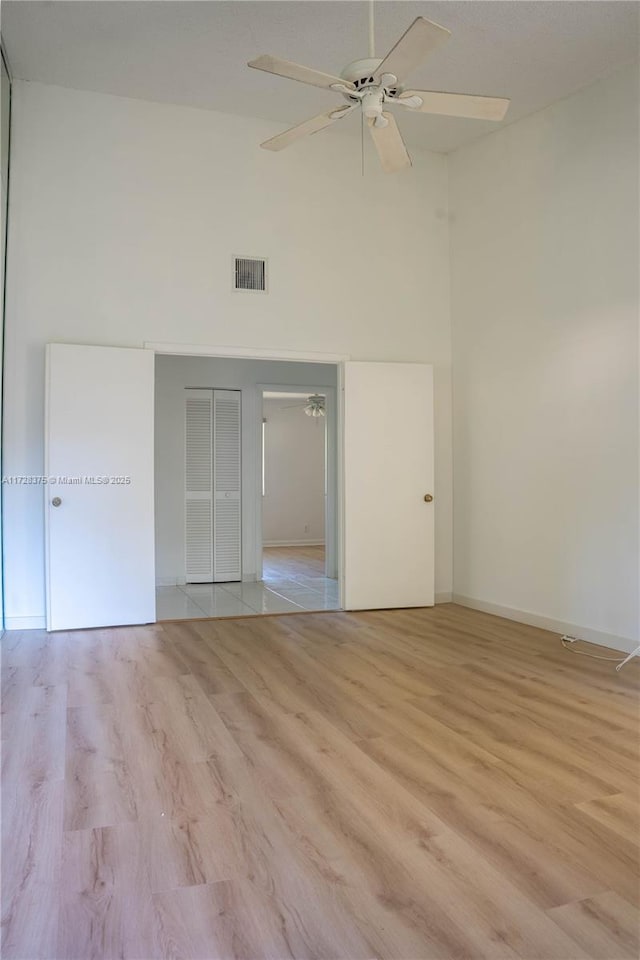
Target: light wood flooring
{"points": [[409, 784], [293, 562]]}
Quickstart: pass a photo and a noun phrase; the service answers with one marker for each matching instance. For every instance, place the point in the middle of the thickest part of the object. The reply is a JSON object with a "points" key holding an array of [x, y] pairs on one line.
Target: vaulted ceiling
{"points": [[195, 53]]}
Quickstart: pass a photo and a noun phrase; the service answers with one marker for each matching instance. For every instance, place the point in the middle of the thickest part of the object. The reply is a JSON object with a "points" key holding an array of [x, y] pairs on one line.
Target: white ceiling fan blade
{"points": [[458, 104], [282, 140], [420, 39], [294, 71], [390, 145]]}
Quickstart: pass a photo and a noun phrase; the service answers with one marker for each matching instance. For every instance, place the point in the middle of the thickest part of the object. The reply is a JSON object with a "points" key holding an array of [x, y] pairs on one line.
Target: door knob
{"points": [[428, 498], [56, 502]]}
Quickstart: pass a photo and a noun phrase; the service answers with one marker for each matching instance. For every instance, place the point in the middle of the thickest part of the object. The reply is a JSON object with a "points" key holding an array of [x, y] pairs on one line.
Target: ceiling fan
{"points": [[372, 84], [314, 405]]}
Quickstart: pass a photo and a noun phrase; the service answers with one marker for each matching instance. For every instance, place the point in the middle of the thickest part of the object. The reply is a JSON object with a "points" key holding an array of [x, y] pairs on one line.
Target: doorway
{"points": [[298, 496], [104, 541], [210, 493]]}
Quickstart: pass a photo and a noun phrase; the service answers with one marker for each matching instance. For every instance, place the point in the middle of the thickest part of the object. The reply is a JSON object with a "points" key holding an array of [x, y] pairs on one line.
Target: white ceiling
{"points": [[195, 53]]}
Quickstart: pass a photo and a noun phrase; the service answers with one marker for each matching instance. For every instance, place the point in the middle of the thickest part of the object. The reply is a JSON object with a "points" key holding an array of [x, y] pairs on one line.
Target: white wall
{"points": [[124, 216], [124, 219], [293, 506], [544, 251], [173, 376]]}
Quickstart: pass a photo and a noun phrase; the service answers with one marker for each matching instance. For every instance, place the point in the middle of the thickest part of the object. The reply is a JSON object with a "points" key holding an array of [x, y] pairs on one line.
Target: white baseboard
{"points": [[622, 644], [25, 623], [293, 543], [444, 597]]}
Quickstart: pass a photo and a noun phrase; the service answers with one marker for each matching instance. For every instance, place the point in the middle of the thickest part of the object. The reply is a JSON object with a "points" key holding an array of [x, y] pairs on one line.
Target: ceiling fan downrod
{"points": [[372, 35]]}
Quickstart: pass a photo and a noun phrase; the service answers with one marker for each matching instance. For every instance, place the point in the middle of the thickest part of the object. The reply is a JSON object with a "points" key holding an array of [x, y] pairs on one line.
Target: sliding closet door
{"points": [[388, 495], [100, 563], [212, 485]]}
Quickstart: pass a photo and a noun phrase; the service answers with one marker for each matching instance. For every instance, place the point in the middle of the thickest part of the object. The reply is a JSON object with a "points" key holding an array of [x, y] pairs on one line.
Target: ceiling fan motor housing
{"points": [[361, 73]]}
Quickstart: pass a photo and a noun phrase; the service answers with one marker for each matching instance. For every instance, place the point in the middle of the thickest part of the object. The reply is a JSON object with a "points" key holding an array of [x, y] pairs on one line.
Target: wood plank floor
{"points": [[300, 561], [409, 784]]}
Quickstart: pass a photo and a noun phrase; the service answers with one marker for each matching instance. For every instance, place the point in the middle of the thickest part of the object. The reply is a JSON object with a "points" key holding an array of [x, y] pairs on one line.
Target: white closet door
{"points": [[388, 470], [99, 515], [227, 476], [199, 485]]}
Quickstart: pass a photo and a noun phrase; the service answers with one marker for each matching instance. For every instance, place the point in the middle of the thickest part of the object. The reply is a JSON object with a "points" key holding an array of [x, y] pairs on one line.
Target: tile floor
{"points": [[293, 580]]}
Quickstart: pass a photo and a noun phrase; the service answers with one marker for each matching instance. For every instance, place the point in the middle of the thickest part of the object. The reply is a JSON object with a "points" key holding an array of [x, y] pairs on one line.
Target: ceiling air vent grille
{"points": [[250, 274]]}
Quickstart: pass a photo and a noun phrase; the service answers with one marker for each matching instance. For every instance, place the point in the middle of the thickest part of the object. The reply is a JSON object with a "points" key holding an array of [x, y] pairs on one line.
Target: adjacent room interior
{"points": [[299, 503], [245, 487], [320, 480]]}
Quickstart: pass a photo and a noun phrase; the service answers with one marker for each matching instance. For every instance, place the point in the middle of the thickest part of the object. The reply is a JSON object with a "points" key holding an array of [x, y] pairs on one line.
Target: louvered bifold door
{"points": [[199, 486], [227, 484]]}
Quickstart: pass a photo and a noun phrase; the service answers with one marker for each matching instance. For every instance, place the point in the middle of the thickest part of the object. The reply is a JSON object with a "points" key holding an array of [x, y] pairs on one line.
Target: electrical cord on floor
{"points": [[567, 643]]}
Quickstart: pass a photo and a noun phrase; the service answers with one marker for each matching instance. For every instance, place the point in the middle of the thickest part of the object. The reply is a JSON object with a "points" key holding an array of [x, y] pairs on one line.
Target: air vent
{"points": [[250, 274]]}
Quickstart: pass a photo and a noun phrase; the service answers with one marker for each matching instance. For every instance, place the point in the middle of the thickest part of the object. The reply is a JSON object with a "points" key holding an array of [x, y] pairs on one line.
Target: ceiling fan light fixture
{"points": [[372, 103], [315, 406]]}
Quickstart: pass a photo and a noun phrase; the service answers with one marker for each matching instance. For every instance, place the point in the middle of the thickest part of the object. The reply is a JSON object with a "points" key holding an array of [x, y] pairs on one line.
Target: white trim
{"points": [[624, 644], [242, 353], [293, 543], [332, 558], [25, 623], [443, 597]]}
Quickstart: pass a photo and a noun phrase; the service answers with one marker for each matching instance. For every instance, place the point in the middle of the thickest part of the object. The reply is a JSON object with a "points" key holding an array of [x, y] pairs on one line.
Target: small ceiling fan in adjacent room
{"points": [[313, 405], [373, 84]]}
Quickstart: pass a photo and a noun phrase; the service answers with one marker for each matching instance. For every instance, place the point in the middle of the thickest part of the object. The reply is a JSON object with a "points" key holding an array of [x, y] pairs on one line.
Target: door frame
{"points": [[331, 566], [264, 353]]}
